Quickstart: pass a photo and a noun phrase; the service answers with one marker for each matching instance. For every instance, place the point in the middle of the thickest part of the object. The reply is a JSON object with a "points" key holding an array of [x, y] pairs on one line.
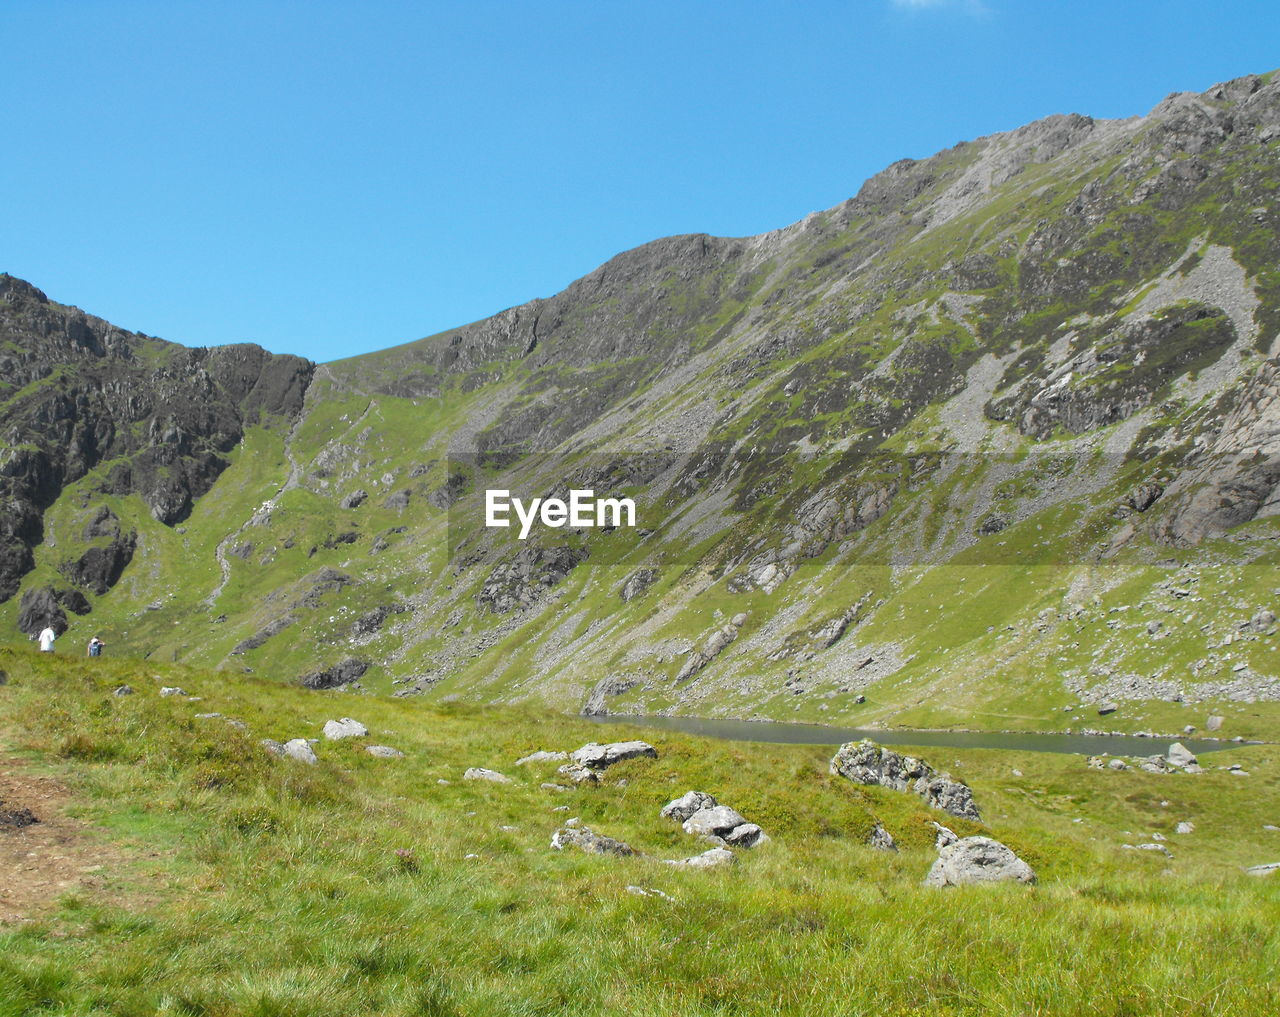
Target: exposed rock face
{"points": [[977, 860], [521, 581], [100, 567], [636, 583], [334, 677], [354, 500], [615, 685], [92, 394], [865, 762]]}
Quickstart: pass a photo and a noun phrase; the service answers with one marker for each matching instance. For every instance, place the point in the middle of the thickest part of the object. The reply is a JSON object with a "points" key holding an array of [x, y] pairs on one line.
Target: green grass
{"points": [[252, 885]]}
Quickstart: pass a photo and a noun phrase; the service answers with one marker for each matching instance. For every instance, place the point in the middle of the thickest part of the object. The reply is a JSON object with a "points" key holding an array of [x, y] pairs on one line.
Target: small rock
{"points": [[579, 774], [207, 716], [555, 787], [122, 690], [272, 746], [1118, 764], [301, 750], [1106, 708], [335, 730], [384, 752], [641, 891], [172, 690], [1185, 827], [881, 839], [1263, 870], [480, 773]]}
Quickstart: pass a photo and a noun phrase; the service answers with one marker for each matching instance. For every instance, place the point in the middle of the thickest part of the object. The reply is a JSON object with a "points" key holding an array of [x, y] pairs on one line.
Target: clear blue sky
{"points": [[329, 178]]}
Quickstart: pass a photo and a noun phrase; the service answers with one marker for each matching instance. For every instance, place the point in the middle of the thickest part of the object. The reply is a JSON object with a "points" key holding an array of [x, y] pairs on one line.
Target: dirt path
{"points": [[43, 860]]}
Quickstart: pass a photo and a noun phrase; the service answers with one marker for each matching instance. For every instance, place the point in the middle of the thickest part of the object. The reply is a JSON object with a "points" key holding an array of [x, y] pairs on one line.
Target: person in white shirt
{"points": [[46, 639]]}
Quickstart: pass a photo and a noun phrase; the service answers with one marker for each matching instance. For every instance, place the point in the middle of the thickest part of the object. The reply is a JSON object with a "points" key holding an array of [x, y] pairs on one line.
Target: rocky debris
{"points": [[600, 757], [336, 676], [522, 580], [1179, 755], [301, 750], [636, 584], [977, 860], [122, 690], [335, 730], [615, 685], [711, 859], [1263, 870], [881, 839], [541, 756], [584, 839], [354, 500], [172, 690], [480, 773], [865, 762], [687, 804], [384, 752]]}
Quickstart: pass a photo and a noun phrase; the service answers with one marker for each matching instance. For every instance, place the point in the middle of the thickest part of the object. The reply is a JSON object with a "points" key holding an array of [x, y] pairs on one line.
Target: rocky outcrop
{"points": [[584, 839], [600, 757], [521, 581], [336, 676], [336, 730], [865, 762]]}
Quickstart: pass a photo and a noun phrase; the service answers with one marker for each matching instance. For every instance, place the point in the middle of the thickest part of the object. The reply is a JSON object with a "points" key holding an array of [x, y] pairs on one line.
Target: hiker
{"points": [[47, 638], [95, 647]]}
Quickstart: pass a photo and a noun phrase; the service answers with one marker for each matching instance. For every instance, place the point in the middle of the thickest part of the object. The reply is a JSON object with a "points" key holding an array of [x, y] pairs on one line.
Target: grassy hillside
{"points": [[221, 880]]}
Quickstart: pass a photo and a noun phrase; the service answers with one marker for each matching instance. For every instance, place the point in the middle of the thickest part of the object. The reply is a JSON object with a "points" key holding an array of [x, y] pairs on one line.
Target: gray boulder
{"points": [[336, 730], [384, 752], [122, 690], [301, 750], [977, 860], [1179, 755], [600, 757], [480, 773], [346, 728], [541, 757], [716, 821], [949, 795], [172, 690], [711, 859], [584, 839], [579, 774], [687, 804], [881, 839], [747, 835], [1214, 723]]}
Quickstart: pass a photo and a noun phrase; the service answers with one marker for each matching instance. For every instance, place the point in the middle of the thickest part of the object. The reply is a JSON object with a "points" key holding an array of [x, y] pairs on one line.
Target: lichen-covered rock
{"points": [[301, 750], [599, 757], [384, 752], [881, 839], [480, 773], [865, 762], [687, 804], [584, 839], [541, 756], [977, 860], [713, 822]]}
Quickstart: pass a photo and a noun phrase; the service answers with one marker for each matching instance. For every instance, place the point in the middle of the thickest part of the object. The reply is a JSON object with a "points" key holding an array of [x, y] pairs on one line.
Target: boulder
{"points": [[172, 690], [301, 750], [977, 860], [480, 773], [541, 756], [600, 757], [122, 690], [1179, 755], [384, 752], [714, 822], [1214, 723], [711, 859], [336, 730], [951, 796], [636, 583], [745, 836], [354, 499], [881, 839], [687, 804], [579, 774], [1186, 826], [584, 839]]}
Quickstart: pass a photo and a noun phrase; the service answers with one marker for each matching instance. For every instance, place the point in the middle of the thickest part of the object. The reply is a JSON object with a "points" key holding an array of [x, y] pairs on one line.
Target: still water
{"points": [[817, 734]]}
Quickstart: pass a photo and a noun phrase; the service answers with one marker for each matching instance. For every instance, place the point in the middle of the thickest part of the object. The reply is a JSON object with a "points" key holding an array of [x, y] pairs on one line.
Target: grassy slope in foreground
{"points": [[262, 886]]}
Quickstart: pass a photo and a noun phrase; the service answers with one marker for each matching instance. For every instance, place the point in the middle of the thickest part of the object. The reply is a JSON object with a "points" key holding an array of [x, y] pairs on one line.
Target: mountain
{"points": [[995, 437]]}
